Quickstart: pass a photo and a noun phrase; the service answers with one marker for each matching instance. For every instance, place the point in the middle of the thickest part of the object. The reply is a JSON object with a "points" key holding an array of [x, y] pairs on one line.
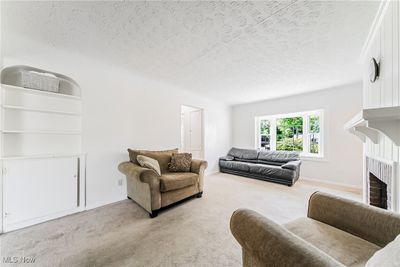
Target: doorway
{"points": [[192, 131]]}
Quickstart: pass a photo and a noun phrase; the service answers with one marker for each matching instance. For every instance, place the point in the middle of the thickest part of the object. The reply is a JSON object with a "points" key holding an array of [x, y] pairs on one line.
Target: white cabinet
{"points": [[35, 189]]}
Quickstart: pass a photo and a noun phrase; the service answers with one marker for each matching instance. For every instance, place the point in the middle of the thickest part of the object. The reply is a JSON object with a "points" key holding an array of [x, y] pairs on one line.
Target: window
{"points": [[291, 132], [265, 136]]}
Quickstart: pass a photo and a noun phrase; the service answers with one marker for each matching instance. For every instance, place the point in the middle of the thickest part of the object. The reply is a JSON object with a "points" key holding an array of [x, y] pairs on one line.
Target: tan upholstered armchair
{"points": [[337, 232], [154, 192]]}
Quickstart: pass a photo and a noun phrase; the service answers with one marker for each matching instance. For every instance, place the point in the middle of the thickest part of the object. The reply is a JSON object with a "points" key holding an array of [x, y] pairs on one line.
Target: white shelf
{"points": [[39, 92], [382, 114], [41, 110], [19, 157], [370, 123], [41, 132]]}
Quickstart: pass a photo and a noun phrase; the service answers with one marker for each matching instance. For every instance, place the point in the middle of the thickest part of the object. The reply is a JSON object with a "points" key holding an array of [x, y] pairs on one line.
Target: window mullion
{"points": [[258, 133], [306, 145], [273, 133]]}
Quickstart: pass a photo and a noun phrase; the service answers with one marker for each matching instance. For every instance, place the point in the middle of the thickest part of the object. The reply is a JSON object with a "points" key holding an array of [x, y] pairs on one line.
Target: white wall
{"points": [[121, 110], [343, 152]]}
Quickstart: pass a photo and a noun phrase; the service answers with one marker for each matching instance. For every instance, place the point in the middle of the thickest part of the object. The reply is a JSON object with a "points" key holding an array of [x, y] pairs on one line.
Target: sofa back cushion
{"points": [[163, 157], [243, 154], [277, 157], [387, 256]]}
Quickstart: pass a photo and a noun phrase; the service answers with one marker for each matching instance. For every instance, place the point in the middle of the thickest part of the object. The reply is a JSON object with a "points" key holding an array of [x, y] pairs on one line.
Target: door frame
{"points": [[202, 127]]}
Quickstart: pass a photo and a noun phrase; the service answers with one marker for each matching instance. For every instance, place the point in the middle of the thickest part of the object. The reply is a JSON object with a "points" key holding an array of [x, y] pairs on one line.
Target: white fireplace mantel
{"points": [[370, 123]]}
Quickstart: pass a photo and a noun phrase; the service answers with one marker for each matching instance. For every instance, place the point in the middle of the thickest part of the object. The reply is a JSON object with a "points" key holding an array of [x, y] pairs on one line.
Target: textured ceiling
{"points": [[233, 51]]}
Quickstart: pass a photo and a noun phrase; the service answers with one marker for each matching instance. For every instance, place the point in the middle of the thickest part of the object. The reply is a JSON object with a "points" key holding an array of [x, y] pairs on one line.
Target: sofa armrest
{"points": [[272, 244], [370, 223], [199, 166], [292, 165], [227, 158]]}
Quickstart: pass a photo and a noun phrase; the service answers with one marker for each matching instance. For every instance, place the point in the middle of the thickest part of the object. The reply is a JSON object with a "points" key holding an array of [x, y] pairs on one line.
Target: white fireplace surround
{"points": [[387, 172]]}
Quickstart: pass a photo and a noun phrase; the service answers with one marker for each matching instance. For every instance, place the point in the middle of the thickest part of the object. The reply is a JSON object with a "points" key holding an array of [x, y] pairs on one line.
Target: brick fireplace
{"points": [[378, 195], [380, 175]]}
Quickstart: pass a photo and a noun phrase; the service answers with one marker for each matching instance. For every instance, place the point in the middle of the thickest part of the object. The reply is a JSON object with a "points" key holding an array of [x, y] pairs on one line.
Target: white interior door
{"points": [[39, 187], [195, 134]]}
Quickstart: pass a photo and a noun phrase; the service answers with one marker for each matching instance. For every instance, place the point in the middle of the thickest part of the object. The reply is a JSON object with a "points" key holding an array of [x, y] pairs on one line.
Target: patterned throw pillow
{"points": [[180, 162], [150, 163]]}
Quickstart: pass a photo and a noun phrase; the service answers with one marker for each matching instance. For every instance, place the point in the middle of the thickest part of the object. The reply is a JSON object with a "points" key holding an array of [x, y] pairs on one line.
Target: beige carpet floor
{"points": [[194, 233]]}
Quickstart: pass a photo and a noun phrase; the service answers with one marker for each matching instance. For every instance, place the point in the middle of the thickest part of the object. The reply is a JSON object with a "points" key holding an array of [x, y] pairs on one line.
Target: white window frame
{"points": [[306, 144]]}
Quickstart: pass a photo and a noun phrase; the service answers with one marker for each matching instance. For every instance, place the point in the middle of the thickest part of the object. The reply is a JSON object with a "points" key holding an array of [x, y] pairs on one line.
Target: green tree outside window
{"points": [[289, 134]]}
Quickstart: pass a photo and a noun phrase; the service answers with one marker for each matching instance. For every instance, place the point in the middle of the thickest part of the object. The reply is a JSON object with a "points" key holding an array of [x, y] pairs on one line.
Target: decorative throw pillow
{"points": [[150, 163], [180, 162]]}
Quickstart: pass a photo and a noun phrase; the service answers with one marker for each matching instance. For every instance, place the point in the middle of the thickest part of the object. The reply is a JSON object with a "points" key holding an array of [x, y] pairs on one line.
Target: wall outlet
{"points": [[120, 182]]}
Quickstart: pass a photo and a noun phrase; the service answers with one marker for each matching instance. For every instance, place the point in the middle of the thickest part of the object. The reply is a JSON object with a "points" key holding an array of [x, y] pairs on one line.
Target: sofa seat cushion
{"points": [[177, 180], [272, 171], [235, 165], [340, 245]]}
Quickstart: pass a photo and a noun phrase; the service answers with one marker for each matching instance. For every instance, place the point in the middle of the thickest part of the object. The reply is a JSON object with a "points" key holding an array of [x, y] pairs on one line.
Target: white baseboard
{"points": [[103, 203], [37, 220], [330, 183], [212, 173]]}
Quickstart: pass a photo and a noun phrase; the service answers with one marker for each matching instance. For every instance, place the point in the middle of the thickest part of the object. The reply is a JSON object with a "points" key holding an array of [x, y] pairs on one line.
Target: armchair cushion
{"points": [[388, 256], [346, 248], [177, 180], [149, 163]]}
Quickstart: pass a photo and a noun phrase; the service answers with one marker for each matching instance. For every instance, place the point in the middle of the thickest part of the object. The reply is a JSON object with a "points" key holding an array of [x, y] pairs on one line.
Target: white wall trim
{"points": [[103, 203], [329, 183], [212, 173], [42, 219]]}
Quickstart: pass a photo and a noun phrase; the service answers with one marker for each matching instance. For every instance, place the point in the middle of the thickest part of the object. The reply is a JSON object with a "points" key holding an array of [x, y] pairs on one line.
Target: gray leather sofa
{"points": [[281, 167]]}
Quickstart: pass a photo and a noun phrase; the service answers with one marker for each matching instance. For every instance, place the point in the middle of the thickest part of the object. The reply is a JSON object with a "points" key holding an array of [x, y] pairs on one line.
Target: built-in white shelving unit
{"points": [[40, 133]]}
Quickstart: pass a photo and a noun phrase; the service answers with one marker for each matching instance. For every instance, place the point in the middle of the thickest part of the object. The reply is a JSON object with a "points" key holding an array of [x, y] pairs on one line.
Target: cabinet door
{"points": [[35, 188]]}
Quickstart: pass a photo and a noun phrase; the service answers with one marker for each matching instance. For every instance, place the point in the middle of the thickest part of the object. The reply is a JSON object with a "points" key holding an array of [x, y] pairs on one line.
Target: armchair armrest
{"points": [[145, 175], [273, 245], [143, 185], [373, 224], [199, 166], [292, 165]]}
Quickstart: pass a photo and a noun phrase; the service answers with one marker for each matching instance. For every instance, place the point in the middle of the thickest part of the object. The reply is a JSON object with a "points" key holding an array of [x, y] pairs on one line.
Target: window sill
{"points": [[310, 157]]}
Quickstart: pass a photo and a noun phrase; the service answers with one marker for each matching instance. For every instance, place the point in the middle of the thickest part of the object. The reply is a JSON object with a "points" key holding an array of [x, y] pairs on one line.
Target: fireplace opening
{"points": [[377, 192]]}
